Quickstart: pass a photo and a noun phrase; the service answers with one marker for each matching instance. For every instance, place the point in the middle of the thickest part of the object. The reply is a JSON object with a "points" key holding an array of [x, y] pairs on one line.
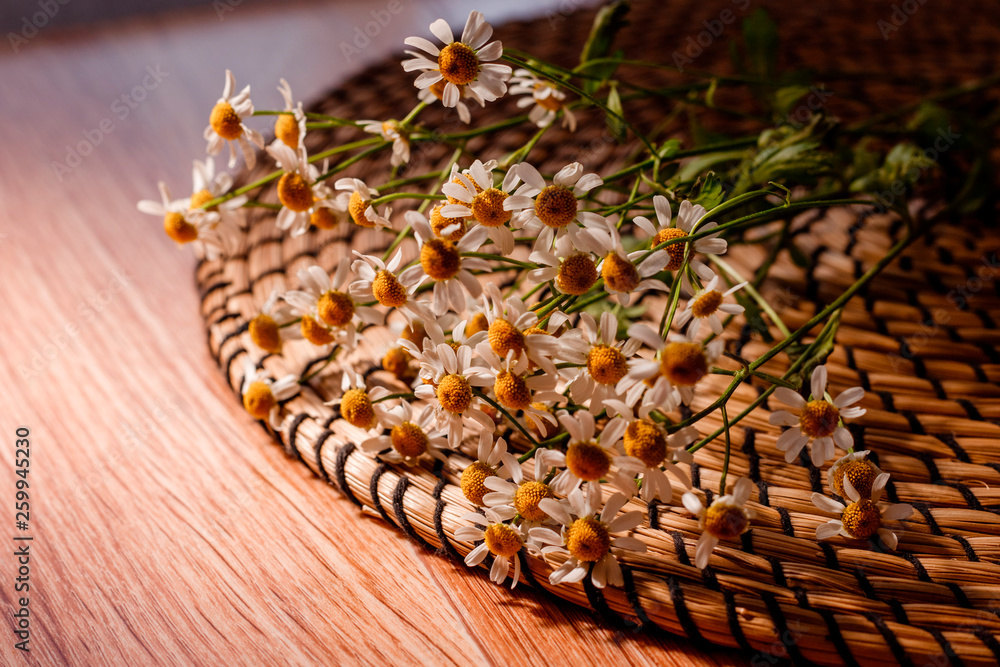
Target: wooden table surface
{"points": [[167, 528]]}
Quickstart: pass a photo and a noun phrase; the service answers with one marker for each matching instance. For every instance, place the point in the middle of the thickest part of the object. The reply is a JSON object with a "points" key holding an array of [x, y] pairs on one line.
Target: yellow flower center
{"points": [[202, 197], [439, 223], [454, 393], [294, 193], [258, 400], [440, 259], [606, 364], [511, 390], [357, 409], [487, 208], [408, 439], [458, 181], [397, 361], [527, 497], [725, 522], [706, 304], [287, 129], [357, 206], [588, 461], [502, 540], [478, 322], [555, 206], [179, 229], [314, 332], [265, 334], [588, 540], [683, 363], [458, 63], [473, 481], [437, 88], [619, 274], [336, 309], [577, 274], [415, 333], [323, 218], [225, 121], [676, 250], [862, 519], [819, 419], [861, 473], [550, 102], [505, 337], [645, 442], [388, 290]]}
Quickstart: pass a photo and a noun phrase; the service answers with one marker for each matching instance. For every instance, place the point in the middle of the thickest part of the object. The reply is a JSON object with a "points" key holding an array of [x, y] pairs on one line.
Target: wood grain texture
{"points": [[168, 528]]}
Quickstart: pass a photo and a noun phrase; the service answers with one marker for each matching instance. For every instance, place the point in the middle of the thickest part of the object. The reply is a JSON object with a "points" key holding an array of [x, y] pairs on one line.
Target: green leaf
{"points": [[615, 124], [609, 21], [710, 191]]}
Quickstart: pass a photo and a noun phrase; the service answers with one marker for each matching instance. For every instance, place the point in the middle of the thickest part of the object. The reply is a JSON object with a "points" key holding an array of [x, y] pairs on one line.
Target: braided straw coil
{"points": [[921, 341]]}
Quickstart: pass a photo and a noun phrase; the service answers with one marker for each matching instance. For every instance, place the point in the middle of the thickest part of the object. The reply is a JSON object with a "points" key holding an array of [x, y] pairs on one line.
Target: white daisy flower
{"points": [[819, 421], [433, 334], [356, 199], [290, 128], [453, 378], [442, 260], [501, 539], [520, 496], [572, 264], [705, 304], [467, 62], [725, 519], [357, 402], [328, 314], [856, 467], [207, 186], [680, 363], [556, 207], [408, 438], [268, 330], [262, 396], [378, 281], [516, 389], [512, 327], [622, 277], [863, 517], [472, 194], [649, 455], [184, 224], [389, 130], [687, 216], [588, 456], [587, 538], [603, 364], [544, 98], [301, 194], [226, 124], [436, 92], [488, 463]]}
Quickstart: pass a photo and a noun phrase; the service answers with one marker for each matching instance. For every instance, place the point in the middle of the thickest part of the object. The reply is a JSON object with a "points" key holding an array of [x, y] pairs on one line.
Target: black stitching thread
{"points": [[446, 546], [837, 638], [400, 511], [987, 638], [373, 490], [733, 619], [318, 455], [866, 586], [949, 439], [970, 553], [925, 512], [709, 579], [947, 652], [341, 476], [781, 625], [292, 450], [960, 596], [890, 639], [653, 509], [683, 615], [679, 547], [899, 612], [645, 624], [753, 458], [830, 554], [596, 598], [786, 522]]}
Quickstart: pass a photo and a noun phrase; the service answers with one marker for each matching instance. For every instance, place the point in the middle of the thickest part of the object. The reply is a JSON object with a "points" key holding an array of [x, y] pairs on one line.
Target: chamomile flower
{"points": [[300, 193], [819, 421], [588, 456], [572, 263], [378, 281], [328, 314], [687, 216], [705, 305], [262, 396], [680, 364], [225, 124], [649, 455], [623, 278], [268, 329], [725, 519], [517, 389], [184, 224], [544, 98], [389, 130], [290, 128], [488, 463], [453, 378], [513, 328], [409, 437], [473, 195], [357, 402], [208, 185], [466, 62], [856, 467], [357, 198], [864, 516], [436, 92], [503, 540], [603, 363], [556, 207], [587, 536], [443, 262], [519, 496]]}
